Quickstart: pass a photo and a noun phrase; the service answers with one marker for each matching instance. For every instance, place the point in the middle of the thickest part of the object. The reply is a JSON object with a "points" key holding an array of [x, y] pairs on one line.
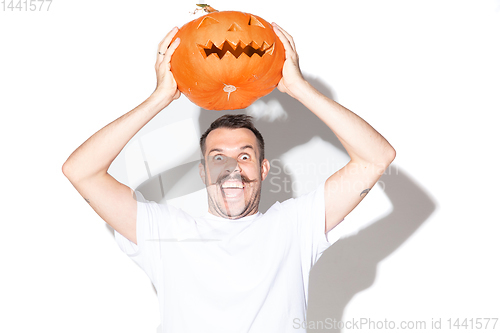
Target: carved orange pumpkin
{"points": [[227, 60]]}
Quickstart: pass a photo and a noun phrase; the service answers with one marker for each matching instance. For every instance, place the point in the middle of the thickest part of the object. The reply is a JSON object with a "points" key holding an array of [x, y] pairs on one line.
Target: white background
{"points": [[425, 74]]}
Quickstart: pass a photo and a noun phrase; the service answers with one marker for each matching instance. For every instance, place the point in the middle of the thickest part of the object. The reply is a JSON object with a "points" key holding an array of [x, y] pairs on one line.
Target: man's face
{"points": [[233, 173]]}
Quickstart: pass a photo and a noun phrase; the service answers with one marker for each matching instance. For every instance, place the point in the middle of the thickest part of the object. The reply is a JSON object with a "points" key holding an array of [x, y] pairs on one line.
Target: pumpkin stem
{"points": [[204, 7]]}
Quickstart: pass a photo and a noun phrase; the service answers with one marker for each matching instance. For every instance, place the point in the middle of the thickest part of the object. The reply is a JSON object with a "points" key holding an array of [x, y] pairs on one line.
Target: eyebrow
{"points": [[221, 150]]}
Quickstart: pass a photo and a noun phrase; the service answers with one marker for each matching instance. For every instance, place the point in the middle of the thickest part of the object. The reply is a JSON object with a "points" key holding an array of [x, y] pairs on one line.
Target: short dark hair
{"points": [[234, 121]]}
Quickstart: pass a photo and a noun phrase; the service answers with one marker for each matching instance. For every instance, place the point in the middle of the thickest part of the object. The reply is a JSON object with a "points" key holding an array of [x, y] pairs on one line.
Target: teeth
{"points": [[236, 50], [232, 185]]}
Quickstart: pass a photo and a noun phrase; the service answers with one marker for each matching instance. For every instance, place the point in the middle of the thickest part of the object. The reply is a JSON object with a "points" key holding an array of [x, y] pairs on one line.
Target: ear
{"points": [[201, 170], [264, 169]]}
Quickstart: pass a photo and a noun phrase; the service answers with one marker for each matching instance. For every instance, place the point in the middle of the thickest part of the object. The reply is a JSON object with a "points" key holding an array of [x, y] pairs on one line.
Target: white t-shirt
{"points": [[215, 275]]}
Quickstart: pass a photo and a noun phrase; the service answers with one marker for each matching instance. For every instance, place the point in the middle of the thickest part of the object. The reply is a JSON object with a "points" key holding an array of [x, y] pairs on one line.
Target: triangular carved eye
{"points": [[234, 27], [206, 22], [254, 21]]}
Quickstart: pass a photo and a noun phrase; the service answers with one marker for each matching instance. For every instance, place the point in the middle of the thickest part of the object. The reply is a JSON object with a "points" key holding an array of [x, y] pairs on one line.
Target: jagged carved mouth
{"points": [[236, 51]]}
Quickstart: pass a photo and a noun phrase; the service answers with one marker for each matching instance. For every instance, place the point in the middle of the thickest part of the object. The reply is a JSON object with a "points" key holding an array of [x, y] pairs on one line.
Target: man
{"points": [[234, 269]]}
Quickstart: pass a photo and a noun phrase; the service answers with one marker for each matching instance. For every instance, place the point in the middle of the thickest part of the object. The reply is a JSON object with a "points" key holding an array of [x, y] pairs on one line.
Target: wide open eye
{"points": [[245, 157], [217, 159]]}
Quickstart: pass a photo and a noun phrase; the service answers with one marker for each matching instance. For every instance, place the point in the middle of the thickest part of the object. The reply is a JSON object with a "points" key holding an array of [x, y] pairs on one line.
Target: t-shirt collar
{"points": [[210, 216]]}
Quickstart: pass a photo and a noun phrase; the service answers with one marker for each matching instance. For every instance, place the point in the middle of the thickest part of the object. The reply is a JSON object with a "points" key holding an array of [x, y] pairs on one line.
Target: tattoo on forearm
{"points": [[364, 192], [88, 201]]}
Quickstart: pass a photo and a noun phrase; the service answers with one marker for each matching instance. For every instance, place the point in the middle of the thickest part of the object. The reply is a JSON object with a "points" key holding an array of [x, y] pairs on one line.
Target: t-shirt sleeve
{"points": [[146, 253], [309, 219]]}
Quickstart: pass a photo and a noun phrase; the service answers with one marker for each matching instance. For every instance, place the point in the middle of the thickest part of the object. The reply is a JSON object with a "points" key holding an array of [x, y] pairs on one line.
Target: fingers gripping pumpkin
{"points": [[227, 60]]}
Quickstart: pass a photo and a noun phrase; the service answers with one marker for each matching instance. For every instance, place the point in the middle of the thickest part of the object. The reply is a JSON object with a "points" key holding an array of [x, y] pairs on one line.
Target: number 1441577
{"points": [[26, 5], [472, 323]]}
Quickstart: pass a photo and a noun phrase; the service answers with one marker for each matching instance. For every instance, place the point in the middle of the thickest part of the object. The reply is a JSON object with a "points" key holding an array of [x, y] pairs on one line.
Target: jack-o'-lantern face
{"points": [[227, 60], [234, 39]]}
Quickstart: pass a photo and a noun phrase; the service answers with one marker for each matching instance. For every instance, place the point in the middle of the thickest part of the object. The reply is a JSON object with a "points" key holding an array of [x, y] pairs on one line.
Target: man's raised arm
{"points": [[369, 151], [87, 167]]}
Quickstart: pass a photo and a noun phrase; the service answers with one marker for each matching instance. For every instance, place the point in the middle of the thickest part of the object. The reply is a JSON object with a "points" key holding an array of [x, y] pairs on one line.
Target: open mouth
{"points": [[232, 189], [236, 50]]}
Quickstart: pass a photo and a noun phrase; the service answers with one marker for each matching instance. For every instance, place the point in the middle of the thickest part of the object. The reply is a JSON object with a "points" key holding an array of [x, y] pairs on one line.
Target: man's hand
{"points": [[166, 87], [292, 77]]}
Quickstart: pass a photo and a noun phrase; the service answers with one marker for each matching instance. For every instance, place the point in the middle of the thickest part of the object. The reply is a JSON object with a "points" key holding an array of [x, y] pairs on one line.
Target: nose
{"points": [[232, 165], [234, 27]]}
